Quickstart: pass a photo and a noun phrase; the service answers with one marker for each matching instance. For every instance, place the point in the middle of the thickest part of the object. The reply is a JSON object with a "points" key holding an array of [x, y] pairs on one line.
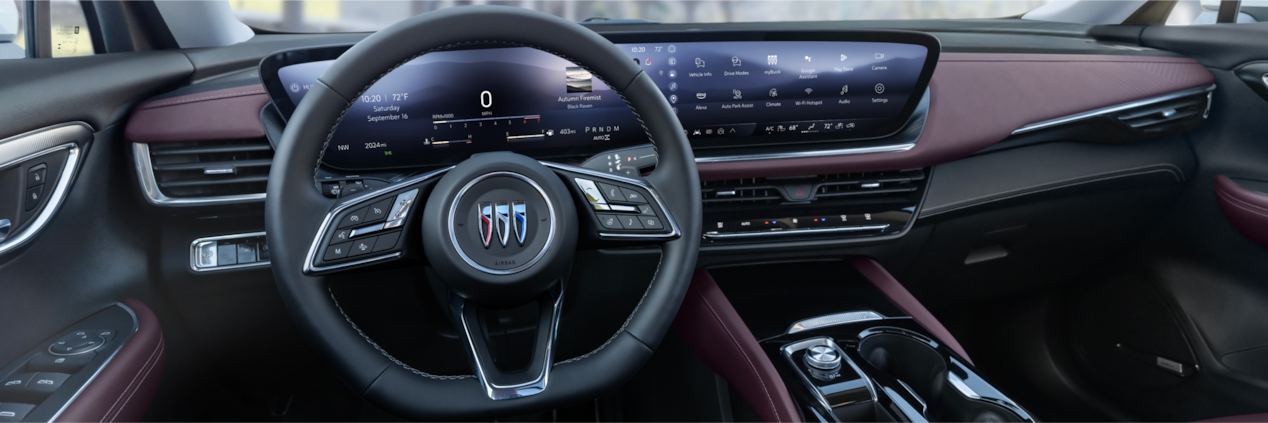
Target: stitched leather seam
{"points": [[761, 381], [160, 103], [157, 348], [1049, 186], [384, 352], [1241, 204], [158, 356]]}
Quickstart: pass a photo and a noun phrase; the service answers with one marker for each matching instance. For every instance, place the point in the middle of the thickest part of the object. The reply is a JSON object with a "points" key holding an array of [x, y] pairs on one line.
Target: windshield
{"points": [[359, 16]]}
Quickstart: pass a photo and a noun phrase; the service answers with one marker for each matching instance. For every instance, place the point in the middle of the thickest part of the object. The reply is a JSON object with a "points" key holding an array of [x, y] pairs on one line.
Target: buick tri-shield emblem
{"points": [[503, 217]]}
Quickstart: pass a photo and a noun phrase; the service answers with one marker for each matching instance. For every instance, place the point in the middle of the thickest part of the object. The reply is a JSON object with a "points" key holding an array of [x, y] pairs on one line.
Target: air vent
{"points": [[1167, 115], [211, 168], [796, 189], [751, 190]]}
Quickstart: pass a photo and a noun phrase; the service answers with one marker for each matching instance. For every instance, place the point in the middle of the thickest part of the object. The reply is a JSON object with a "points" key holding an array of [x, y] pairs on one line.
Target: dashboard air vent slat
{"points": [[776, 190], [1165, 115], [211, 168]]}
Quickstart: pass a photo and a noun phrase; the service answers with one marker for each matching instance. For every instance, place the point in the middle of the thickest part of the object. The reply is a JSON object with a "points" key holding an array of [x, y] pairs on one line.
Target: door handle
{"points": [[1255, 75]]}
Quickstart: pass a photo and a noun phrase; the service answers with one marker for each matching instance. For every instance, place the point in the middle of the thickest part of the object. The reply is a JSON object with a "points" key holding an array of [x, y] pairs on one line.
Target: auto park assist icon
{"points": [[503, 217]]}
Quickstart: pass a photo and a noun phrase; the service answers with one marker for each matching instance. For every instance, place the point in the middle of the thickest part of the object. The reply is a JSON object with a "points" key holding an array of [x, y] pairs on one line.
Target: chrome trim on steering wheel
{"points": [[519, 390]]}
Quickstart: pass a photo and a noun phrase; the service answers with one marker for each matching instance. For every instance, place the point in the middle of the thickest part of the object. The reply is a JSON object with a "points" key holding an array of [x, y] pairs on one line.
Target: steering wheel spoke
{"points": [[511, 353], [370, 229], [617, 210]]}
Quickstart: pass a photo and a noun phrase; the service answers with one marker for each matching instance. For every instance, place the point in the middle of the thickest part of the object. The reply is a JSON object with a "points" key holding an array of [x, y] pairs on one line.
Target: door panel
{"points": [[91, 253]]}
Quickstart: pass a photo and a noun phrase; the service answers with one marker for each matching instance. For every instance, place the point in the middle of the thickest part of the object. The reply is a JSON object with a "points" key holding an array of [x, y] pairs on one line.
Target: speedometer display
{"points": [[455, 103]]}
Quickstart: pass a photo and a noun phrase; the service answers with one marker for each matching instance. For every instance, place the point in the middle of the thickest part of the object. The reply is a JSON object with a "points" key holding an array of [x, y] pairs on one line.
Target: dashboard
{"points": [[728, 89]]}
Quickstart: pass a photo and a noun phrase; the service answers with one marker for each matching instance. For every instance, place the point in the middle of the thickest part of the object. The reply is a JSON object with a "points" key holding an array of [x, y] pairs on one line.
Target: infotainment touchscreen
{"points": [[468, 101]]}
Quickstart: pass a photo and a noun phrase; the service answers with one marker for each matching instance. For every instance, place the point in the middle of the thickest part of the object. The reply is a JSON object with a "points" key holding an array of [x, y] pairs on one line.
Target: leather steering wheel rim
{"points": [[295, 208]]}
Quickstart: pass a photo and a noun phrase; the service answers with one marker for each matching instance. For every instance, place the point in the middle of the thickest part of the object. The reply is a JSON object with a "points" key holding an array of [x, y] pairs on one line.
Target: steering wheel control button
{"points": [[337, 251], [646, 209], [610, 221], [386, 241], [59, 364], [400, 208], [612, 192], [14, 412], [356, 217], [631, 222], [361, 247], [591, 191], [377, 212], [633, 196], [650, 222], [77, 342], [45, 383], [341, 235]]}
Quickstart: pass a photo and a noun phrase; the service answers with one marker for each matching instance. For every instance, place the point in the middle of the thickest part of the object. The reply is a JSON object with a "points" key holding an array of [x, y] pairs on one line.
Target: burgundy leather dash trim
{"points": [[978, 99], [898, 295], [122, 390], [226, 114], [1247, 210], [715, 332]]}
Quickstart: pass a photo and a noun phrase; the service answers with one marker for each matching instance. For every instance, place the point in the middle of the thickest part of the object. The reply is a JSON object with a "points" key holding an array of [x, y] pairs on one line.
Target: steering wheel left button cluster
{"points": [[351, 237]]}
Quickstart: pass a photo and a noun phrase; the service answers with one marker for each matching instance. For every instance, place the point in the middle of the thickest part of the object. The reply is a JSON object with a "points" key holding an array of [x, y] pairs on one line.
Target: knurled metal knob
{"points": [[823, 357]]}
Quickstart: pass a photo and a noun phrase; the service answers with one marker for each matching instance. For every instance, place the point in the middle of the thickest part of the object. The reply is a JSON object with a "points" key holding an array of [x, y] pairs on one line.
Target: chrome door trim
{"points": [[72, 137]]}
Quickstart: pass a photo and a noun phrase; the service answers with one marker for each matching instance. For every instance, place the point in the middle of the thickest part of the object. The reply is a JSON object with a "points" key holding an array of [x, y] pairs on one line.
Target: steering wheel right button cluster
{"points": [[623, 210]]}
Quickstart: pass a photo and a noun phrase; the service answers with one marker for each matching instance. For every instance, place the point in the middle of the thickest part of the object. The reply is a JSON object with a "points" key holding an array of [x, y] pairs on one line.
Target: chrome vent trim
{"points": [[155, 196], [1107, 111]]}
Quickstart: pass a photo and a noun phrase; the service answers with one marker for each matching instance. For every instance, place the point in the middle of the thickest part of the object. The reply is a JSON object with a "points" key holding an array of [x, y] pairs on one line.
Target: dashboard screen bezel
{"points": [[270, 65]]}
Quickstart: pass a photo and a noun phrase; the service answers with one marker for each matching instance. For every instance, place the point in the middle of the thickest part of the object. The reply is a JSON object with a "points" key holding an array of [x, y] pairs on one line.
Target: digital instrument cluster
{"points": [[455, 103]]}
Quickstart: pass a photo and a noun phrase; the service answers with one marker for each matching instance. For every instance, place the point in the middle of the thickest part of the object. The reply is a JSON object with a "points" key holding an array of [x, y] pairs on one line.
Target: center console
{"points": [[858, 366], [834, 341]]}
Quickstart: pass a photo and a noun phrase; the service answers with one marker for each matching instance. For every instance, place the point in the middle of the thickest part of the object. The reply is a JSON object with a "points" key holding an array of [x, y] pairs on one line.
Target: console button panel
{"points": [[229, 252]]}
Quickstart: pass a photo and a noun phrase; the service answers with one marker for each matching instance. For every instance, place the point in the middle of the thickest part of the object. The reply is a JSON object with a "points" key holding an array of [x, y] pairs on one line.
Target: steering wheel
{"points": [[499, 229]]}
